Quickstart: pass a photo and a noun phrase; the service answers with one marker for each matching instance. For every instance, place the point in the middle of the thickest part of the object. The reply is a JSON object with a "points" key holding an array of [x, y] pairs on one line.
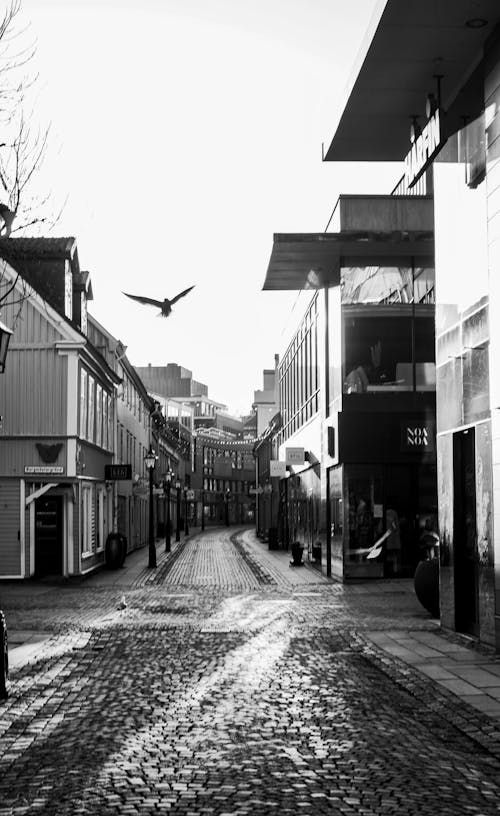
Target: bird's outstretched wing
{"points": [[181, 294], [147, 300]]}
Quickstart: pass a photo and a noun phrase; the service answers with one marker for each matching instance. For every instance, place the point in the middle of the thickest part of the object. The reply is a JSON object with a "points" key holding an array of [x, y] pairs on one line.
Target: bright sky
{"points": [[185, 133]]}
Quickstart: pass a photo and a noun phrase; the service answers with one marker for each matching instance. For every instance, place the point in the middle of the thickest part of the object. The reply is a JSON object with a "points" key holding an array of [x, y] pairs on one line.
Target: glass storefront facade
{"points": [[382, 496]]}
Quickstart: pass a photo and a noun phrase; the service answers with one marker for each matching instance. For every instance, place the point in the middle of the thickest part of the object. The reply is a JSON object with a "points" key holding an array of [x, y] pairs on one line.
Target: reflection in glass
{"points": [[387, 284]]}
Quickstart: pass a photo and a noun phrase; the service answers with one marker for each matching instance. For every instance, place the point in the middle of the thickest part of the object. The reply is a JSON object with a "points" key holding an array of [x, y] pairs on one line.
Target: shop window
{"points": [[389, 351]]}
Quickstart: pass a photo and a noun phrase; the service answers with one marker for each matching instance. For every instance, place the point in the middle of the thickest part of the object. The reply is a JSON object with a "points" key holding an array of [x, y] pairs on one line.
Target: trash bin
{"points": [[272, 538], [115, 550], [297, 550], [426, 584]]}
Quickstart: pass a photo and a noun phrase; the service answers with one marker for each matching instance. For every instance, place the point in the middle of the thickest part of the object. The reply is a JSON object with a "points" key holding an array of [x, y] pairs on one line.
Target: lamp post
{"points": [[5, 335], [202, 508], [178, 524], [226, 506], [167, 486], [150, 461], [186, 524]]}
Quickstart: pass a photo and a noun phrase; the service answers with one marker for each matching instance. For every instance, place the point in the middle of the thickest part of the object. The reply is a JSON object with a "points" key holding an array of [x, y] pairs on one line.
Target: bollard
{"points": [[4, 658]]}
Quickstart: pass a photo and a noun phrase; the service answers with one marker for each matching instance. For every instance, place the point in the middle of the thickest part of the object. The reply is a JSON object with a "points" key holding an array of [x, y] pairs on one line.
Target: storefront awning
{"points": [[405, 47], [313, 260]]}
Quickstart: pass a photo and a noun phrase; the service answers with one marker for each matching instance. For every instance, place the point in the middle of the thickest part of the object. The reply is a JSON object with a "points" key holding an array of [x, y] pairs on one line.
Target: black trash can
{"points": [[297, 550], [272, 538], [114, 551]]}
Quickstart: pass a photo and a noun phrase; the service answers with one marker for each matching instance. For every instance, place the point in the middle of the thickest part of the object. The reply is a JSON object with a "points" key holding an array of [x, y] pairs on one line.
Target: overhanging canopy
{"points": [[406, 46], [313, 260]]}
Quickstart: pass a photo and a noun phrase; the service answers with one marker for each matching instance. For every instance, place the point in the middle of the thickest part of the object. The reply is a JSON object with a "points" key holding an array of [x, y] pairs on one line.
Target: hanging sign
{"points": [[277, 468], [294, 456], [117, 472], [424, 149]]}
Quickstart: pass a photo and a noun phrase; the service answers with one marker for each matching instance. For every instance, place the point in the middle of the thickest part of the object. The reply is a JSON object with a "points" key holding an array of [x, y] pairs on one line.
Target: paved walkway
{"points": [[455, 664]]}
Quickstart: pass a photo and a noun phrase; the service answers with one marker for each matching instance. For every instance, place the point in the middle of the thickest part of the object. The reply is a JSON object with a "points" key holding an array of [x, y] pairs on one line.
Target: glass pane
{"points": [[387, 284], [378, 353]]}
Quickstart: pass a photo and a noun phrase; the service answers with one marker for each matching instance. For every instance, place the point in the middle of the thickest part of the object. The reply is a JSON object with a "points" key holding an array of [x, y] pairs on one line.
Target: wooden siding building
{"points": [[57, 401]]}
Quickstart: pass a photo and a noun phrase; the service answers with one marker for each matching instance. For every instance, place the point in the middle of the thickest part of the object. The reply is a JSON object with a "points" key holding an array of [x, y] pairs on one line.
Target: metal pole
{"points": [[186, 525], [202, 510], [178, 524], [226, 509], [167, 530], [4, 658], [152, 548]]}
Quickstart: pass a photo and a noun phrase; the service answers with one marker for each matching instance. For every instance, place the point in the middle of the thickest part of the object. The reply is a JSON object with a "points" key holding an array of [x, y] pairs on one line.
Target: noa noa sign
{"points": [[424, 149]]}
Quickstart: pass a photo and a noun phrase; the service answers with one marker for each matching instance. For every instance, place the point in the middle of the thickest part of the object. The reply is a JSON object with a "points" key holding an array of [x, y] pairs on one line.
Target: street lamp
{"points": [[186, 525], [226, 506], [167, 486], [202, 508], [5, 335], [150, 462], [178, 524]]}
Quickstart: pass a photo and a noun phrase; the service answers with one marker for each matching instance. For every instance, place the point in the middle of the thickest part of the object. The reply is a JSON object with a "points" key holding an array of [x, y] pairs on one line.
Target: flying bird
{"points": [[164, 305]]}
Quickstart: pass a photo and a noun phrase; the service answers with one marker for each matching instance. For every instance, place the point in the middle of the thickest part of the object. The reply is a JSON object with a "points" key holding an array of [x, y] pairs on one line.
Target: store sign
{"points": [[43, 469], [424, 149], [417, 437], [117, 472], [294, 456], [277, 469]]}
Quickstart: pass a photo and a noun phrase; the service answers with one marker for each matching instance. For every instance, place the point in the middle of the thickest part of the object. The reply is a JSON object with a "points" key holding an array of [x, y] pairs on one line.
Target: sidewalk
{"points": [[455, 663]]}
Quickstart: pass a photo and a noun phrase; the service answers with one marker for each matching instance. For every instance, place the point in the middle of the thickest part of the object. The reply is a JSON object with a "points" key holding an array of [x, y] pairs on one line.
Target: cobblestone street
{"points": [[225, 682]]}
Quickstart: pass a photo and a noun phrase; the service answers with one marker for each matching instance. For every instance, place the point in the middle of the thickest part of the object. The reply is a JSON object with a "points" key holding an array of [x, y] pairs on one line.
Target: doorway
{"points": [[465, 533], [48, 536]]}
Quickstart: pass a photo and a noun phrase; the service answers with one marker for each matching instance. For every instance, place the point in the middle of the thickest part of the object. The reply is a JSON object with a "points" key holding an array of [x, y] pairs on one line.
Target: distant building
{"points": [[266, 402], [175, 384]]}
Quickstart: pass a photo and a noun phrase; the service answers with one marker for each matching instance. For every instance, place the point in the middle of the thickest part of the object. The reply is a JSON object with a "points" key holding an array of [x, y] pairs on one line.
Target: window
{"points": [[98, 413], [100, 519], [83, 403], [387, 284], [388, 348], [91, 410], [299, 376], [105, 421], [88, 527]]}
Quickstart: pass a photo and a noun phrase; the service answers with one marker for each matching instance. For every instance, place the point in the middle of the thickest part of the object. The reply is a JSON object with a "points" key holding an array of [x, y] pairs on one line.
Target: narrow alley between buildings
{"points": [[226, 682]]}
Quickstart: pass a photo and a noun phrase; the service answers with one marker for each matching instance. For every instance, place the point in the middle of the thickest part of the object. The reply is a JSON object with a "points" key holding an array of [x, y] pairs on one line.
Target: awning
{"points": [[41, 490], [406, 46], [313, 260]]}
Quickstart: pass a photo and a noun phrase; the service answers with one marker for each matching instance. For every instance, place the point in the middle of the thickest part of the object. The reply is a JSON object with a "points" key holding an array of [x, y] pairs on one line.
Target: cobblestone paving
{"points": [[224, 688]]}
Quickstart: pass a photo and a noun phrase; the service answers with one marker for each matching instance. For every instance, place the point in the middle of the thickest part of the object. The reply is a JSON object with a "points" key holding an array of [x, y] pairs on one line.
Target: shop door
{"points": [[48, 536], [402, 512], [464, 532]]}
